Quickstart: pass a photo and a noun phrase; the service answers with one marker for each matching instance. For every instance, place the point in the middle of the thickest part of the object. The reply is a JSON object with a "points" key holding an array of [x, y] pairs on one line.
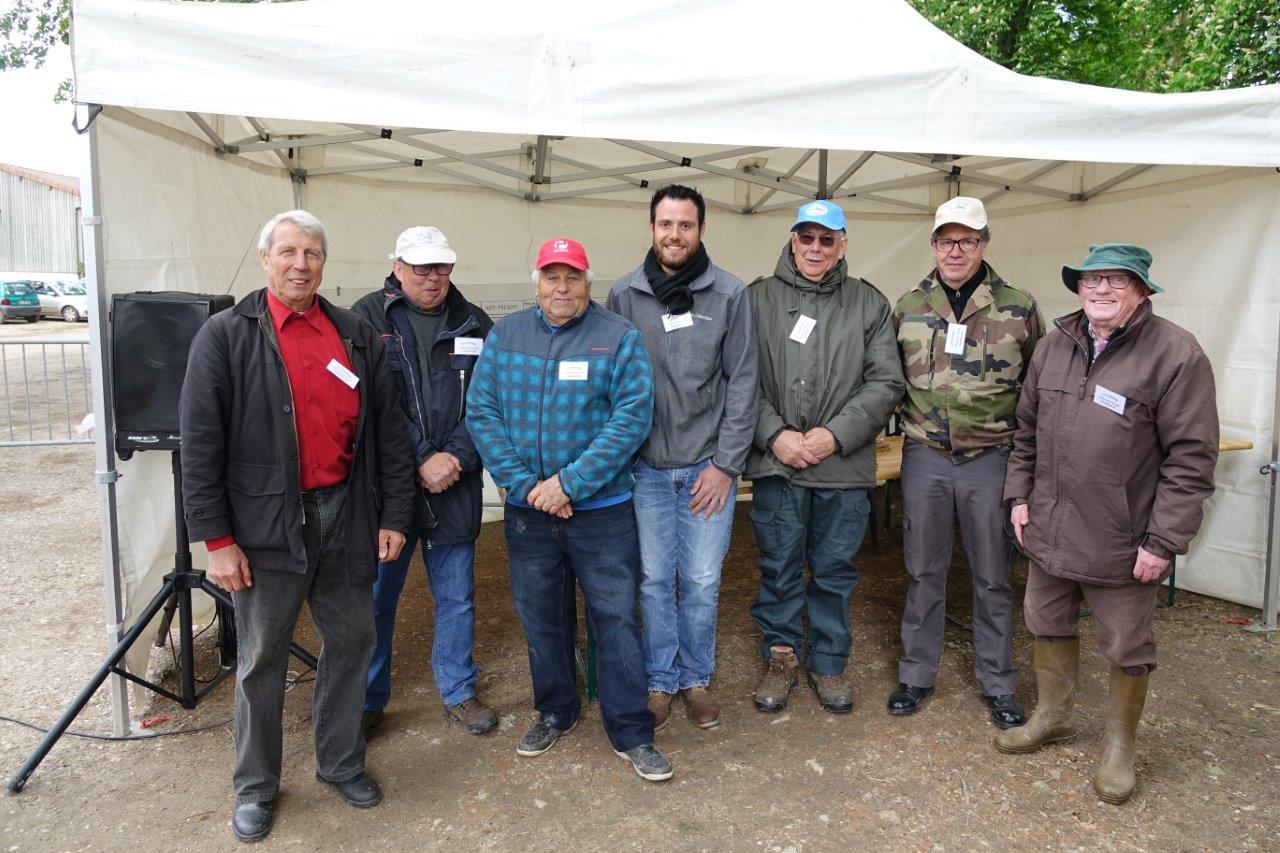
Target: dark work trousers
{"points": [[265, 617], [935, 495], [601, 550], [1123, 616], [795, 525]]}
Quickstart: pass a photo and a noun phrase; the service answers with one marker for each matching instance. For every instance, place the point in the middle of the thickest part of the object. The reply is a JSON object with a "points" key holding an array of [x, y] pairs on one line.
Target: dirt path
{"points": [[1209, 746]]}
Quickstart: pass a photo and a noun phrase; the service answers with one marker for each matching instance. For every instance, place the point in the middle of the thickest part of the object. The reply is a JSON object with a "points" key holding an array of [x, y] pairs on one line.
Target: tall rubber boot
{"points": [[1115, 779], [1057, 667]]}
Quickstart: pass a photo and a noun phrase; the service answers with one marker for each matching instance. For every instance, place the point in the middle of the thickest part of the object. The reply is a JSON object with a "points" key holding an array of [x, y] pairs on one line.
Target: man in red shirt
{"points": [[295, 475]]}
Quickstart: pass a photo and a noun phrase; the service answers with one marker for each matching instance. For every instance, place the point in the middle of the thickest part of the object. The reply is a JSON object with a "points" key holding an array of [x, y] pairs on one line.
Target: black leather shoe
{"points": [[908, 699], [359, 791], [1006, 710], [252, 821]]}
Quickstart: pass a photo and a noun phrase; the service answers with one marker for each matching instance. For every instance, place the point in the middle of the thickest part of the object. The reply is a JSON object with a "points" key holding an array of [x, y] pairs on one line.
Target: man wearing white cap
{"points": [[829, 375], [966, 337], [433, 336]]}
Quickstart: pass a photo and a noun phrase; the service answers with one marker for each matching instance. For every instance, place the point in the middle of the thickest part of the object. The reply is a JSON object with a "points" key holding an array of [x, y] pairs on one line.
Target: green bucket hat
{"points": [[1113, 256]]}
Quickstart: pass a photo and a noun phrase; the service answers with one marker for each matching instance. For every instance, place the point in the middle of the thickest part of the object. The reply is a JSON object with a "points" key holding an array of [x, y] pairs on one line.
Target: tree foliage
{"points": [[29, 28], [1149, 45]]}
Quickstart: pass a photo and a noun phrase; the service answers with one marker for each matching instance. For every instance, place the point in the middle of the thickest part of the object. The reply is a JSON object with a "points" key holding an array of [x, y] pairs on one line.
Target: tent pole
{"points": [[104, 418], [822, 174], [1271, 586]]}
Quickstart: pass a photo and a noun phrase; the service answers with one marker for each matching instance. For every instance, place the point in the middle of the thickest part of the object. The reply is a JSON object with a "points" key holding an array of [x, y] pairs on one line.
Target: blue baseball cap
{"points": [[825, 213]]}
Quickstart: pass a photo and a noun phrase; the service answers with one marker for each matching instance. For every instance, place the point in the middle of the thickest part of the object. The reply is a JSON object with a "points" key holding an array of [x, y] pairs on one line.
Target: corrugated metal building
{"points": [[39, 221]]}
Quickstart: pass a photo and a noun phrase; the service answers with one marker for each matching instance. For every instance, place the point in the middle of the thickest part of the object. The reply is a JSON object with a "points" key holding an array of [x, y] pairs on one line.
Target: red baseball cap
{"points": [[561, 250]]}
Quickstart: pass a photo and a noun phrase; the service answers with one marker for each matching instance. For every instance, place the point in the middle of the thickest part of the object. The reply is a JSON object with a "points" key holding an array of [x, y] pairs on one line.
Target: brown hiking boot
{"points": [[1115, 778], [473, 714], [834, 693], [700, 705], [660, 707], [780, 676]]}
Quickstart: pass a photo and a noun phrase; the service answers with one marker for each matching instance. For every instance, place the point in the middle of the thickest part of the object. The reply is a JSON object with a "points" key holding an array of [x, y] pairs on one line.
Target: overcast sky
{"points": [[35, 132]]}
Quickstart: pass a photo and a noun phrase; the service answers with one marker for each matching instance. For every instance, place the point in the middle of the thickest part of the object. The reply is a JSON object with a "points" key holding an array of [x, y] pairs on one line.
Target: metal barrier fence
{"points": [[45, 391]]}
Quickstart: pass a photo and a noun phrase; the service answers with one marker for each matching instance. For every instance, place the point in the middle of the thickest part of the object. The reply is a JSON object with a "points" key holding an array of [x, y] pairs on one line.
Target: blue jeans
{"points": [[681, 555], [451, 576], [796, 525], [599, 549]]}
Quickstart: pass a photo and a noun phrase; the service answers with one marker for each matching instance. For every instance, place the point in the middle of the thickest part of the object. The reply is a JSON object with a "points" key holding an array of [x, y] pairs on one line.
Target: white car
{"points": [[67, 299]]}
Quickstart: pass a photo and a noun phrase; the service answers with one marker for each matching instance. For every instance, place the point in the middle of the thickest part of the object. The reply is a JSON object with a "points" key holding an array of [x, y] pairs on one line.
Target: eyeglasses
{"points": [[968, 244], [824, 240], [427, 269], [1118, 281]]}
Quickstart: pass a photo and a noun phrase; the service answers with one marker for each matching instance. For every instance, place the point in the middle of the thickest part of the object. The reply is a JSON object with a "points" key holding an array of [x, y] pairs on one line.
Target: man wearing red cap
{"points": [[561, 400]]}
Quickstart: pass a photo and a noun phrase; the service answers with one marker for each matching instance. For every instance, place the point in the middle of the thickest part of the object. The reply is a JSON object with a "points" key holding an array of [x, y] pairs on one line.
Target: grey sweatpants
{"points": [[265, 616], [936, 494]]}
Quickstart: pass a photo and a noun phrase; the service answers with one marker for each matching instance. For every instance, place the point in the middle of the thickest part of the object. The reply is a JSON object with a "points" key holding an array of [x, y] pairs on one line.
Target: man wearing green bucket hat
{"points": [[1112, 462]]}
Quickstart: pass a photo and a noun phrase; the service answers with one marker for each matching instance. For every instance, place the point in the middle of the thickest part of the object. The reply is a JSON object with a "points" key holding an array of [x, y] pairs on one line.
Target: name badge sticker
{"points": [[468, 346], [1108, 399], [671, 322], [955, 338], [802, 329], [574, 371], [340, 370]]}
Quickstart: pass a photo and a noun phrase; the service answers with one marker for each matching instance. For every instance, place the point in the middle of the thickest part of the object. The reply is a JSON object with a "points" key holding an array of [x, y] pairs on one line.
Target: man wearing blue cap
{"points": [[829, 374], [1111, 464]]}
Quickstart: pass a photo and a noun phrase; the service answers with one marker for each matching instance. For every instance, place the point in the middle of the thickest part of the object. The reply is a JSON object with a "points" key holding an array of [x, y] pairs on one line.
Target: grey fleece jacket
{"points": [[705, 376], [846, 376]]}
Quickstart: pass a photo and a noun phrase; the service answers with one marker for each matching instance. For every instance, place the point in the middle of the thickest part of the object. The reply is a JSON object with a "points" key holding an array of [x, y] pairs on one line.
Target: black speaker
{"points": [[151, 334]]}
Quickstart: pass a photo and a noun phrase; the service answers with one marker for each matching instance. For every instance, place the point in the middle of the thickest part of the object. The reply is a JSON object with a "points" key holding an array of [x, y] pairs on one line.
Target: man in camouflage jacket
{"points": [[966, 338]]}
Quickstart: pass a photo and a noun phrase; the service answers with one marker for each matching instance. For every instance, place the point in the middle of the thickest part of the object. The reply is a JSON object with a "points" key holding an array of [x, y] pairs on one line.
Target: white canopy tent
{"points": [[504, 131]]}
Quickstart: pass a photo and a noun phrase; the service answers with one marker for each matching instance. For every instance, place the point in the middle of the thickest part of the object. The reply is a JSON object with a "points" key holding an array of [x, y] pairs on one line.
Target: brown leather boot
{"points": [[700, 704], [1115, 779], [660, 707], [780, 676], [1057, 667]]}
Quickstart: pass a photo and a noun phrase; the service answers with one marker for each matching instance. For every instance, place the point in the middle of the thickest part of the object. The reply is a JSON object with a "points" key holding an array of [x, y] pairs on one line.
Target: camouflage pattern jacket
{"points": [[963, 405]]}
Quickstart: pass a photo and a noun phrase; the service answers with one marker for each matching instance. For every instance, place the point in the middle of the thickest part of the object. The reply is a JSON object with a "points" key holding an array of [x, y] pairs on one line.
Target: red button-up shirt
{"points": [[325, 408]]}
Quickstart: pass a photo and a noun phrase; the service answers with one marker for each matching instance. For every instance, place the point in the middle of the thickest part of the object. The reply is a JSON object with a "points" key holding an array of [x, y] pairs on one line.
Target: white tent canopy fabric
{"points": [[376, 115], [882, 78]]}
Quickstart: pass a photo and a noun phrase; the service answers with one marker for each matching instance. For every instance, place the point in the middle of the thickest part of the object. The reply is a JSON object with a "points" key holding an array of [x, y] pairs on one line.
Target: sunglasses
{"points": [[826, 241], [427, 269]]}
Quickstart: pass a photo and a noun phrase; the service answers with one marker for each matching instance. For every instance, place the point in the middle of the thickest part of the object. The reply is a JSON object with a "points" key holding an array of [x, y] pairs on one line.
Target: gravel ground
{"points": [[1209, 745]]}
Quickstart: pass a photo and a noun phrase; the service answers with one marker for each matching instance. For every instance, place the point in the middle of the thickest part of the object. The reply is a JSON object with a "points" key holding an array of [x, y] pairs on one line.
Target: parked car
{"points": [[18, 301], [66, 299]]}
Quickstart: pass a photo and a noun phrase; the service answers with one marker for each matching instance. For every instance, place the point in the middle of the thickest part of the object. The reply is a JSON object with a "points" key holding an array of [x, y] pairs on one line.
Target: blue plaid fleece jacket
{"points": [[576, 400]]}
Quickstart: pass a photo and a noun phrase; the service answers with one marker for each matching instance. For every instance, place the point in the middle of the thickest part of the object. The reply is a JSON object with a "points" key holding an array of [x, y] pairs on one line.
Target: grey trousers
{"points": [[265, 617], [935, 495]]}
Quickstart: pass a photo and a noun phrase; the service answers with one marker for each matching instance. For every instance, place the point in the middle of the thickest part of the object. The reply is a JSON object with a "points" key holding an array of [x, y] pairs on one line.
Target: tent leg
{"points": [[1271, 586], [104, 418]]}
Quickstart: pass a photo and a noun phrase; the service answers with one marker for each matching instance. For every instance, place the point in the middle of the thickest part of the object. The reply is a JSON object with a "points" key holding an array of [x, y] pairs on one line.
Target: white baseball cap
{"points": [[961, 210], [423, 245]]}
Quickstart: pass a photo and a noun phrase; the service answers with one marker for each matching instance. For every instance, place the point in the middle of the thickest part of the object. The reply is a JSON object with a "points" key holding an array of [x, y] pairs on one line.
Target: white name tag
{"points": [[955, 339], [468, 346], [671, 322], [574, 371], [1109, 399], [340, 370], [803, 328]]}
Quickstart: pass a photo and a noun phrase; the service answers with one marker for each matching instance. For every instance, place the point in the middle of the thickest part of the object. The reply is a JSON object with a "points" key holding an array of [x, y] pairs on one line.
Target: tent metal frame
{"points": [[540, 183], [362, 139]]}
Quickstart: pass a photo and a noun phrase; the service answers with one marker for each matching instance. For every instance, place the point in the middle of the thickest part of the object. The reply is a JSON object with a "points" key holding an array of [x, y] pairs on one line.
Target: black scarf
{"points": [[673, 290]]}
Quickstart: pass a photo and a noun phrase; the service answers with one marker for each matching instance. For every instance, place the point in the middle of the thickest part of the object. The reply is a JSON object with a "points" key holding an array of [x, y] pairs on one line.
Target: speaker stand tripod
{"points": [[175, 594]]}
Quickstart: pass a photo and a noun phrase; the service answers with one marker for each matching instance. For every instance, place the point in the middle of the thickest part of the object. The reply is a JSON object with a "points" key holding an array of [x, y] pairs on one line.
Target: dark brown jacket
{"points": [[1100, 484]]}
